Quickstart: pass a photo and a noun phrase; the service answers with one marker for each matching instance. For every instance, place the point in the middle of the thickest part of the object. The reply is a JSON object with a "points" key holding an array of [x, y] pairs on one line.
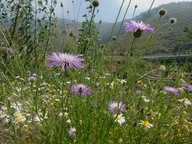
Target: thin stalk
{"points": [[15, 24], [35, 33], [116, 21], [48, 39], [134, 12], [151, 36], [124, 17], [148, 11], [158, 22]]}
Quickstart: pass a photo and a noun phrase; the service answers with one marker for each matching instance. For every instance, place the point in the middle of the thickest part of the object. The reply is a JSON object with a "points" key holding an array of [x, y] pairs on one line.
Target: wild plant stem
{"points": [[149, 11]]}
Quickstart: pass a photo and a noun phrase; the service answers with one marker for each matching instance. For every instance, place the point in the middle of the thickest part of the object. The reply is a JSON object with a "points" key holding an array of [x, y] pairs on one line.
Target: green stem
{"points": [[148, 11], [115, 21]]}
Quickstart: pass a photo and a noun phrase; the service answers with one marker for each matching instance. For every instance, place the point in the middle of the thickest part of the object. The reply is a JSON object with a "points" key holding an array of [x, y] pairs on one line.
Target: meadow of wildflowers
{"points": [[84, 95]]}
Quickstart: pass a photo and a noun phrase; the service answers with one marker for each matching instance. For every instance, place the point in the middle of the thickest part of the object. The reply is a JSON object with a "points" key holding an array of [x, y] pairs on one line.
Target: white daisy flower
{"points": [[119, 118]]}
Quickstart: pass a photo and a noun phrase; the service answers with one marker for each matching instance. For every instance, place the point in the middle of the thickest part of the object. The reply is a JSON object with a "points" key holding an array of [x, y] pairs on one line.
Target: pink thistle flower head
{"points": [[115, 107], [172, 90], [137, 28], [80, 90], [65, 60]]}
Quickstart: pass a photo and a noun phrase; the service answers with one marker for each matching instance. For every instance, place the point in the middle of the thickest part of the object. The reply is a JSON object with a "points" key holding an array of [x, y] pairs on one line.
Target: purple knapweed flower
{"points": [[9, 50], [186, 86], [134, 26], [115, 107], [65, 60], [172, 90], [138, 91], [97, 84], [80, 90], [72, 132], [32, 79], [137, 28]]}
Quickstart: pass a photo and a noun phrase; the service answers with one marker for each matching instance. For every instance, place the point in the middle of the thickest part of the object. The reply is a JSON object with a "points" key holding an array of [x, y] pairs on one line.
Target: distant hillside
{"points": [[167, 39]]}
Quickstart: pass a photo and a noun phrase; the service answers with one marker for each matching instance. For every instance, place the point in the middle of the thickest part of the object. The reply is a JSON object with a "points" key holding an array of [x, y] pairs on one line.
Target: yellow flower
{"points": [[120, 140], [139, 82], [184, 112], [146, 124], [182, 80], [177, 123], [18, 118], [180, 89], [6, 130], [38, 124], [162, 67]]}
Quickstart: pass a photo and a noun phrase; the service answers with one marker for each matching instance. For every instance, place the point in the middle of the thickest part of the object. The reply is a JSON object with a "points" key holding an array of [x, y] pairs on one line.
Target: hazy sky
{"points": [[108, 9]]}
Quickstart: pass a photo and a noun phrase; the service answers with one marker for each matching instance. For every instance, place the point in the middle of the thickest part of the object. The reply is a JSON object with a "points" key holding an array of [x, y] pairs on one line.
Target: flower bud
{"points": [[102, 45], [172, 20], [71, 34], [19, 6], [114, 38], [95, 3], [162, 12], [61, 4]]}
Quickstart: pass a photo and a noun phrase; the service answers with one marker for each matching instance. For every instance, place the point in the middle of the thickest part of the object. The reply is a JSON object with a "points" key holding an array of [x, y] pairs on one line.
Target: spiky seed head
{"points": [[172, 20], [114, 38], [162, 12], [95, 3]]}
